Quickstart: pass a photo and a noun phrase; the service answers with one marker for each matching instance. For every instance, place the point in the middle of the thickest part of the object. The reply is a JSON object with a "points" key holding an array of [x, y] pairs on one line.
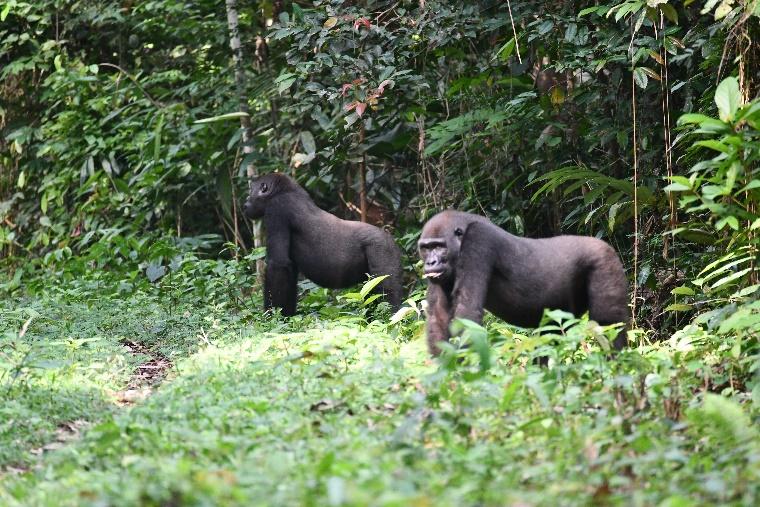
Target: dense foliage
{"points": [[122, 168]]}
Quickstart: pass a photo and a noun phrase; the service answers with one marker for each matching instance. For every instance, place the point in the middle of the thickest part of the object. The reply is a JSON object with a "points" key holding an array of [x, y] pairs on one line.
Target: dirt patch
{"points": [[64, 433], [145, 377]]}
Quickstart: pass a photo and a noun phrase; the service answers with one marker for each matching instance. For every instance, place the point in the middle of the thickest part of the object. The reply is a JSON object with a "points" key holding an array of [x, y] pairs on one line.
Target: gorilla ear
{"points": [[263, 188]]}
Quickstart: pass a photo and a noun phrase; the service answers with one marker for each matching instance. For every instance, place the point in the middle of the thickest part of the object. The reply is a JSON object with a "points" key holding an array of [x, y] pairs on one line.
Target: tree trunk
{"points": [[362, 178], [245, 121]]}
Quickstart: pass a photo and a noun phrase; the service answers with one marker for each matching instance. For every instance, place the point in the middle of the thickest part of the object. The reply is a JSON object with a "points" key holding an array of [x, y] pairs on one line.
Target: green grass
{"points": [[55, 367], [315, 411]]}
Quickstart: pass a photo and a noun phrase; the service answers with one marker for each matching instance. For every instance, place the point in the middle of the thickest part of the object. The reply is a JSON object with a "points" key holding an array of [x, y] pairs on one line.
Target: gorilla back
{"points": [[331, 252], [472, 264]]}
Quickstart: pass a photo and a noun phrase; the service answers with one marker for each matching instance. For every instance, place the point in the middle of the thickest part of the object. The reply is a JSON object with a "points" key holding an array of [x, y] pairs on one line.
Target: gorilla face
{"points": [[260, 192], [439, 246]]}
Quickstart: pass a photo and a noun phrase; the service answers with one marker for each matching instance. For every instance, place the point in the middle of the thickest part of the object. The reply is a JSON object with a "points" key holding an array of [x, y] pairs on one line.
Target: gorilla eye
{"points": [[458, 232], [264, 187]]}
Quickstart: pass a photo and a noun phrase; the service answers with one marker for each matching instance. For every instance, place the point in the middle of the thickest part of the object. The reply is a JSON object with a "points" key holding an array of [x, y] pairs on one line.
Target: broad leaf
{"points": [[728, 98]]}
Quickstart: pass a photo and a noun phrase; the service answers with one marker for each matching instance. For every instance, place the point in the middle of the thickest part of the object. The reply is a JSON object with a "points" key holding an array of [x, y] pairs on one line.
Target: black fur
{"points": [[472, 264], [331, 252]]}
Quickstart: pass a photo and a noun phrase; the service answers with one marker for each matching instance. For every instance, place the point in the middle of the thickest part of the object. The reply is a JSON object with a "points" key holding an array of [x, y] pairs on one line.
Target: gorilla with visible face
{"points": [[331, 252], [471, 265]]}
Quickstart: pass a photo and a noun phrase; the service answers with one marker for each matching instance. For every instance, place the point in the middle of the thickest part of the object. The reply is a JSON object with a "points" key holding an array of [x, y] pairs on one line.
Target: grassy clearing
{"points": [[67, 360], [315, 411], [57, 367]]}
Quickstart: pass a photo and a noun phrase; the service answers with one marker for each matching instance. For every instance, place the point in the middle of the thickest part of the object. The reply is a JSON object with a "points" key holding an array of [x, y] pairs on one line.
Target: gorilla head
{"points": [[264, 189], [440, 245]]}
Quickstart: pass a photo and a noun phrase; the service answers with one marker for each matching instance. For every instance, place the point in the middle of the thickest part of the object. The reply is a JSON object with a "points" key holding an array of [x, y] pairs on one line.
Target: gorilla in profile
{"points": [[331, 252], [471, 265]]}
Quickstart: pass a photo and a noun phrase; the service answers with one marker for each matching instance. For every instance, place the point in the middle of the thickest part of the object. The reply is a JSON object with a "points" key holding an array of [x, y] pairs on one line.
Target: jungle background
{"points": [[138, 368]]}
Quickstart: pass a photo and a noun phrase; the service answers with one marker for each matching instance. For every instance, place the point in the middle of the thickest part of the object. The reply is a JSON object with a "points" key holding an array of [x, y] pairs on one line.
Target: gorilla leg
{"points": [[281, 277], [607, 295], [382, 262], [281, 287]]}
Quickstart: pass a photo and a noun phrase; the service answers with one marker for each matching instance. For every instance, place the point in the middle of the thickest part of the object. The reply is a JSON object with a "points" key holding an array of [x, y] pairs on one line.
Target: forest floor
{"points": [[151, 400]]}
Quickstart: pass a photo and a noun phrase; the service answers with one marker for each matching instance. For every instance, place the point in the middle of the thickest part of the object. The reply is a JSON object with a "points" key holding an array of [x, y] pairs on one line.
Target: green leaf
{"points": [[107, 433], [678, 307], [676, 187], [6, 10], [746, 291], [154, 271], [670, 12], [714, 145], [402, 313], [730, 220], [730, 278], [478, 337], [723, 9], [749, 186], [284, 81], [371, 284], [157, 137], [571, 32], [716, 267], [308, 143], [689, 118], [721, 419], [351, 296], [640, 77], [351, 119], [371, 299], [588, 10], [644, 273], [613, 214], [682, 179], [15, 282], [727, 98], [651, 73], [749, 111], [505, 51], [683, 290]]}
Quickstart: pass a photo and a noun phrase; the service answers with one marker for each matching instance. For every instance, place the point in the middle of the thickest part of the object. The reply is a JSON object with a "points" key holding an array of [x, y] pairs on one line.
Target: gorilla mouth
{"points": [[432, 274]]}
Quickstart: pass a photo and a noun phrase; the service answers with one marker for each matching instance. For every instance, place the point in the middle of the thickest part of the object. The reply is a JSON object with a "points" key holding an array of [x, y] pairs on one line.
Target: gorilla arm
{"points": [[474, 268], [280, 280], [439, 317]]}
